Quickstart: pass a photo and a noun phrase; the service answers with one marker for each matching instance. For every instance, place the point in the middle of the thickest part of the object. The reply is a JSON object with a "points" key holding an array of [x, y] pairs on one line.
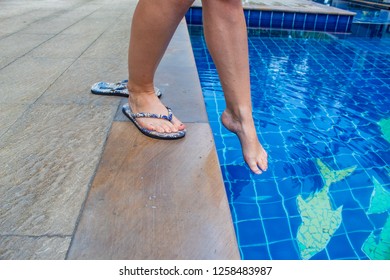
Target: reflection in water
{"points": [[371, 20]]}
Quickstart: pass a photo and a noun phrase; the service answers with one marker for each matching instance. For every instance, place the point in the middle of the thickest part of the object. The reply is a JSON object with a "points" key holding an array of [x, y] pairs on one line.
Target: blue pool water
{"points": [[322, 111]]}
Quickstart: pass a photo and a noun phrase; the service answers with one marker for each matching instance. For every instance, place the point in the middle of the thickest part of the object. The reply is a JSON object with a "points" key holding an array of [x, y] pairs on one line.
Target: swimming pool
{"points": [[322, 111]]}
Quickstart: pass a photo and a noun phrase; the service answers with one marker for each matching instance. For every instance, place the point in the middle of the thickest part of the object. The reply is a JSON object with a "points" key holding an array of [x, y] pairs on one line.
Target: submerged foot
{"points": [[254, 154], [148, 102]]}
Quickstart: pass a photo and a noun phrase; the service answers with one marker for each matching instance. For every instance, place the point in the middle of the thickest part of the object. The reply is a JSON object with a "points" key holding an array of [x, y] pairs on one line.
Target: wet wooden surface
{"points": [[154, 199]]}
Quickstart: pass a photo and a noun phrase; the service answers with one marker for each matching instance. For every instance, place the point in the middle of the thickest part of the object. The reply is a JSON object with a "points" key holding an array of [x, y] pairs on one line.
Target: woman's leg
{"points": [[226, 37], [154, 23]]}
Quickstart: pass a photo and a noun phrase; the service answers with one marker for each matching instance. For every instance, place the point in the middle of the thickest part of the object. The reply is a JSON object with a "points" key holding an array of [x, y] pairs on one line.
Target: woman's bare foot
{"points": [[254, 154], [148, 102]]}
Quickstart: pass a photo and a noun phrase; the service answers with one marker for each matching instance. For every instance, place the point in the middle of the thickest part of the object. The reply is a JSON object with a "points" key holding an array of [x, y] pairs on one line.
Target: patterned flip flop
{"points": [[115, 89], [151, 133]]}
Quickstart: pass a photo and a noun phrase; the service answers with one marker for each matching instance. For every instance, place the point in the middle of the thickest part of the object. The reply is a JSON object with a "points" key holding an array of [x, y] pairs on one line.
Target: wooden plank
{"points": [[154, 199]]}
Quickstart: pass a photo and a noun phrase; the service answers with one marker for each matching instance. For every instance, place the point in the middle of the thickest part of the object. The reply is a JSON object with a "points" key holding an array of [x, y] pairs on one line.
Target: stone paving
{"points": [[52, 131]]}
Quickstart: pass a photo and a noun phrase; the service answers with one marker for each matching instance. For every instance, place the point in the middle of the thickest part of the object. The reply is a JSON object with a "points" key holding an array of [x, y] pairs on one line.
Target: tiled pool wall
{"points": [[286, 20]]}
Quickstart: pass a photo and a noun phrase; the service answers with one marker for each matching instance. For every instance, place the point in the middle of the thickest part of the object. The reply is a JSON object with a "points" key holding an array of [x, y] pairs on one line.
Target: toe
{"points": [[263, 161], [166, 128], [170, 127], [178, 124], [158, 128], [148, 126], [254, 167]]}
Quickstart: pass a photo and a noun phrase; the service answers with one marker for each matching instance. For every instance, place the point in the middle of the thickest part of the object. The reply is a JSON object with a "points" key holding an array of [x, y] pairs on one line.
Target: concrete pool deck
{"points": [[77, 180]]}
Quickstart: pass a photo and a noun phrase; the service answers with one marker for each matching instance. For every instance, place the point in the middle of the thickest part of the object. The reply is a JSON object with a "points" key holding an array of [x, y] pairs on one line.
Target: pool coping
{"points": [[315, 17], [172, 192], [312, 8]]}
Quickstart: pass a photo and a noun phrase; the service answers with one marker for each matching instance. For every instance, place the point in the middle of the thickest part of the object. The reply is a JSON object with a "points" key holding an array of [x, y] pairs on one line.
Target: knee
{"points": [[230, 4], [229, 9], [174, 6], [179, 4]]}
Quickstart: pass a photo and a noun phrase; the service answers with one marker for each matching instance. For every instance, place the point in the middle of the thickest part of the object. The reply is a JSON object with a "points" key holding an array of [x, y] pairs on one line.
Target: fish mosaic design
{"points": [[319, 219]]}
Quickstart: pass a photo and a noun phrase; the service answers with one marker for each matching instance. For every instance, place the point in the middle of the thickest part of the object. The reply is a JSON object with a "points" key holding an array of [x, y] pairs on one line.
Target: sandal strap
{"points": [[154, 116]]}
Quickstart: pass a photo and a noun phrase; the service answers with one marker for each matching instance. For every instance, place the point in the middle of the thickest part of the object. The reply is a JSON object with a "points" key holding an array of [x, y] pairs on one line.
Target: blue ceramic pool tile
{"points": [[196, 15], [381, 174], [339, 248], [343, 198], [320, 22], [237, 172], [318, 149], [360, 178], [346, 161], [355, 220], [284, 250], [378, 219], [343, 184], [247, 211], [357, 238], [299, 21], [255, 253], [369, 159], [305, 167], [267, 190], [322, 255], [266, 15], [301, 152], [307, 111], [379, 143], [338, 147], [250, 232], [284, 169], [322, 18], [285, 20], [277, 229], [298, 24], [289, 187], [295, 223], [265, 23], [311, 184], [342, 24], [272, 210], [273, 139], [310, 21], [288, 20], [247, 14], [254, 19], [241, 192], [277, 19], [331, 23], [188, 16]]}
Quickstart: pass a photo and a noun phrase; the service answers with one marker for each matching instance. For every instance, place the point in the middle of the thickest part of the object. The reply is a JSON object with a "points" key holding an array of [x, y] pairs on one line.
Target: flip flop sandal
{"points": [[151, 133], [115, 89]]}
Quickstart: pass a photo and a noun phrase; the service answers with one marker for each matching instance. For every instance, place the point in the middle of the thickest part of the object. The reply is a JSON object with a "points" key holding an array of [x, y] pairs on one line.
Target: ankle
{"points": [[139, 89], [242, 115]]}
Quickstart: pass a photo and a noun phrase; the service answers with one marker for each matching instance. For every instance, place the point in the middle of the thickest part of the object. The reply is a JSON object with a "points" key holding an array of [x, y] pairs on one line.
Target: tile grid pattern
{"points": [[305, 110], [286, 20]]}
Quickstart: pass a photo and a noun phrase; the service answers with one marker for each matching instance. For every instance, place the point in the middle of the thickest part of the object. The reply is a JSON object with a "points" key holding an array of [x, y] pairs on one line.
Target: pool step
{"points": [[307, 16], [372, 4]]}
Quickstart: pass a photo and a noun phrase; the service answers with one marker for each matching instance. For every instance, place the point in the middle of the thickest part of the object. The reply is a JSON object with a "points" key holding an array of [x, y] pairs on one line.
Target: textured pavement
{"points": [[53, 133], [52, 130]]}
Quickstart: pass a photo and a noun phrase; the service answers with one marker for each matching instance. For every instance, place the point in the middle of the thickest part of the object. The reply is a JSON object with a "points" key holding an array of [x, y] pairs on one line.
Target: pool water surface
{"points": [[322, 112]]}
